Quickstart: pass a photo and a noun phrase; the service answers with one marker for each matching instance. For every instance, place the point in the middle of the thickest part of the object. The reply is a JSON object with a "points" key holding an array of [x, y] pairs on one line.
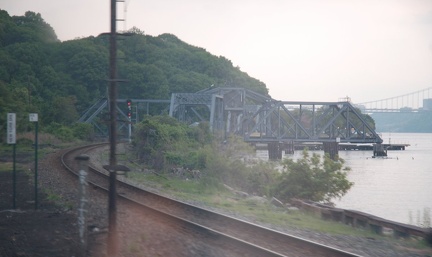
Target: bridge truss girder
{"points": [[190, 108], [283, 121], [222, 107], [259, 118], [98, 113]]}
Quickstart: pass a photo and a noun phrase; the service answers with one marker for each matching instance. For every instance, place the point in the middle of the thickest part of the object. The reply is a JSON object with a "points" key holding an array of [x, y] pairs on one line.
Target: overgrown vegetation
{"points": [[174, 149], [163, 142]]}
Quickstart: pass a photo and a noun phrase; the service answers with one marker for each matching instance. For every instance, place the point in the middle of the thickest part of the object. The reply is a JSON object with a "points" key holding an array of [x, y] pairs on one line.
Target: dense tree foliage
{"points": [[60, 80], [312, 178], [163, 142]]}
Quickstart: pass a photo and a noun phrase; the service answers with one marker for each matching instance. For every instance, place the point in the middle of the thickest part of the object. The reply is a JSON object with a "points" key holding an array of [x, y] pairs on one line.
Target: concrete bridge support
{"points": [[275, 150], [332, 149], [289, 148], [379, 150]]}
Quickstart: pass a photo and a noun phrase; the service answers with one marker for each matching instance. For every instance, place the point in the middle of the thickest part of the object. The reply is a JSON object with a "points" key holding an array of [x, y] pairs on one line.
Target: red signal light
{"points": [[129, 106]]}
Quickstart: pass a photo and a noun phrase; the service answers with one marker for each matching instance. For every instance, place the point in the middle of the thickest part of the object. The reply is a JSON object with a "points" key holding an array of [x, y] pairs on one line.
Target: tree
{"points": [[62, 110], [34, 28], [59, 80], [312, 178], [160, 140]]}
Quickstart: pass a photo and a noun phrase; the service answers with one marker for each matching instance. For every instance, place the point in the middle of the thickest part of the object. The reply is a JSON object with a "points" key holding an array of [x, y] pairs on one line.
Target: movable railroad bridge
{"points": [[260, 119]]}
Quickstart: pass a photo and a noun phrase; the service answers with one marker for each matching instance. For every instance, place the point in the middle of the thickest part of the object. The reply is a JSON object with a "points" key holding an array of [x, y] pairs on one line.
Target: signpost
{"points": [[33, 117], [82, 209], [11, 139], [11, 128]]}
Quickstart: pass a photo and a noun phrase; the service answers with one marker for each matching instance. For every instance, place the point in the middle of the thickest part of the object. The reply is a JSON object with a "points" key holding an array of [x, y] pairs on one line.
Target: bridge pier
{"points": [[289, 148], [274, 150], [332, 149], [379, 150]]}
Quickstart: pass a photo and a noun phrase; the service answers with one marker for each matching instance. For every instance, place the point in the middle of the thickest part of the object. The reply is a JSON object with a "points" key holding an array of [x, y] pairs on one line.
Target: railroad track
{"points": [[238, 237]]}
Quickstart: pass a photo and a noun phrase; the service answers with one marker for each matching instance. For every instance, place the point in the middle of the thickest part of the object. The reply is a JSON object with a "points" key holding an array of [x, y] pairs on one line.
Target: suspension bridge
{"points": [[417, 101]]}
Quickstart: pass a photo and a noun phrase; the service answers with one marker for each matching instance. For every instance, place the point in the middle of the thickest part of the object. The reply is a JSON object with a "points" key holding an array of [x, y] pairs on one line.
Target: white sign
{"points": [[11, 128], [33, 117]]}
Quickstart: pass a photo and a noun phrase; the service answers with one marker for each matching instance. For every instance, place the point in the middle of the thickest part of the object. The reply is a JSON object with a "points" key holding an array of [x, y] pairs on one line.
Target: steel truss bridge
{"points": [[417, 101], [255, 117], [98, 113], [259, 118]]}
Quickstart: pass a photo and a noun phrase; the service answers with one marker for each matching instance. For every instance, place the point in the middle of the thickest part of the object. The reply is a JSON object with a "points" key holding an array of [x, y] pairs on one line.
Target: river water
{"points": [[398, 188]]}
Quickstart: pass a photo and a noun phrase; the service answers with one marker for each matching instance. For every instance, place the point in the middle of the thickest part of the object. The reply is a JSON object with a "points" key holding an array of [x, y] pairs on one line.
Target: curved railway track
{"points": [[234, 236]]}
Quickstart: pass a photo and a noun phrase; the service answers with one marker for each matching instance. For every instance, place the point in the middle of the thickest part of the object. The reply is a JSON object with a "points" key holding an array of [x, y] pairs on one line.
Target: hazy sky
{"points": [[317, 50]]}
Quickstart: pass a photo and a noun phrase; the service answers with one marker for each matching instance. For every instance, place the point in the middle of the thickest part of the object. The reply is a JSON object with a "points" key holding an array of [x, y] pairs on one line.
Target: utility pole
{"points": [[112, 246], [33, 117]]}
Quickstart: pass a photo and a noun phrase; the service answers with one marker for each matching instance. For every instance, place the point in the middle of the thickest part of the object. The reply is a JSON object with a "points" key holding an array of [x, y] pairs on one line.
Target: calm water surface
{"points": [[398, 188]]}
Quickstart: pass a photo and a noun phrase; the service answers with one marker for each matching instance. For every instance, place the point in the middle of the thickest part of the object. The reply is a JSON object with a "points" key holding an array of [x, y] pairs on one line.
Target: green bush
{"points": [[173, 158], [162, 140], [65, 133], [312, 178], [62, 132], [83, 131]]}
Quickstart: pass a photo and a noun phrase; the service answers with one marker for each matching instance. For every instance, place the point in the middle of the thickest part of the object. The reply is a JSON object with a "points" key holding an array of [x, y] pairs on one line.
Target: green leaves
{"points": [[313, 178], [170, 142]]}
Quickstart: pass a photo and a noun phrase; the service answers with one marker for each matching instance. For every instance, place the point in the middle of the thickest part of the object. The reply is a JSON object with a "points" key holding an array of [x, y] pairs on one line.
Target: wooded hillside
{"points": [[60, 80]]}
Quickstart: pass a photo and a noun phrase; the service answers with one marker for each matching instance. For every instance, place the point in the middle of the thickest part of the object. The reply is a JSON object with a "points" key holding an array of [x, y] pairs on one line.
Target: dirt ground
{"points": [[24, 231]]}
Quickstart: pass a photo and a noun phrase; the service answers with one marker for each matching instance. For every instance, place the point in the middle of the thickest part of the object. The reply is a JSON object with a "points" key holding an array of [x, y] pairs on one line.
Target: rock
{"points": [[241, 193], [228, 187], [258, 199], [276, 202], [237, 192]]}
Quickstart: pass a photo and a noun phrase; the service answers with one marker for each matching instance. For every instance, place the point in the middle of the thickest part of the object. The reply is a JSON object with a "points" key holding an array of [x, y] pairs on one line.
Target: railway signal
{"points": [[129, 108]]}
